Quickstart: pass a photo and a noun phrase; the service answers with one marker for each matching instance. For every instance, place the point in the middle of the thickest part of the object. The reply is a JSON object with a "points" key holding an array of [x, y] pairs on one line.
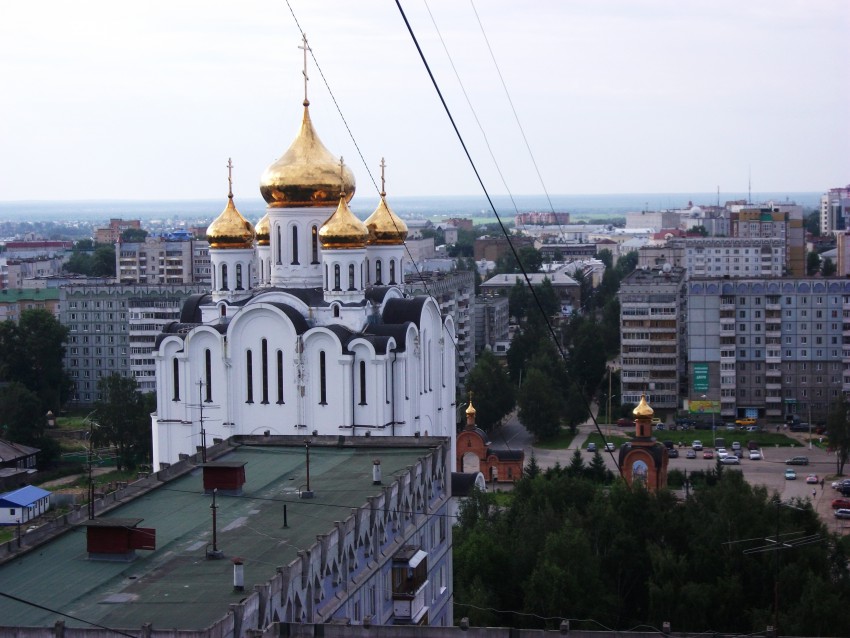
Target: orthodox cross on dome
{"points": [[229, 178], [341, 176], [305, 47], [383, 180]]}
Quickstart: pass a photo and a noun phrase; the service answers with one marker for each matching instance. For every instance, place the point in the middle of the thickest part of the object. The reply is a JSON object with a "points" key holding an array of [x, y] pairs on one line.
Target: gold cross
{"points": [[341, 176], [305, 47], [383, 181], [229, 178]]}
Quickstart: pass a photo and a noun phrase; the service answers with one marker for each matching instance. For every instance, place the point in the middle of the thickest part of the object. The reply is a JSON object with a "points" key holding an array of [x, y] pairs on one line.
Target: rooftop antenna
{"points": [[718, 196], [201, 419], [749, 185], [215, 552]]}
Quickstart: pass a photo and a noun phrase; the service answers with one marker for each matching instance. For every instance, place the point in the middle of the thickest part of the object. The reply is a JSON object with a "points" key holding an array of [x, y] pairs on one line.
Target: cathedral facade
{"points": [[306, 329]]}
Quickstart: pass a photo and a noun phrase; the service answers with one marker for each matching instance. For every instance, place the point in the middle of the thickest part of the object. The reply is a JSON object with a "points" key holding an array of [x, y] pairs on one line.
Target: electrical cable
{"points": [[60, 613]]}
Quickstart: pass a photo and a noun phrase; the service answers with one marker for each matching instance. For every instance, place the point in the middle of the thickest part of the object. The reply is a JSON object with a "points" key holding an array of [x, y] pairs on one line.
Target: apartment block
{"points": [[774, 221], [491, 324], [652, 312], [720, 256], [769, 347], [160, 260], [835, 210]]}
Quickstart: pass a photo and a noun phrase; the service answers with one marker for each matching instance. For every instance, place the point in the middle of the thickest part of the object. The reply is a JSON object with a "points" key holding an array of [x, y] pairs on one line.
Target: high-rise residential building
{"points": [[835, 211], [652, 313], [163, 260], [492, 320], [454, 292], [720, 256], [112, 233], [774, 221], [768, 347], [112, 331]]}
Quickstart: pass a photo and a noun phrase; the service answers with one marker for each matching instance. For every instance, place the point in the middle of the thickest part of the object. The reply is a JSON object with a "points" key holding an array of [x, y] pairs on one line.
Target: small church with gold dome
{"points": [[306, 328]]}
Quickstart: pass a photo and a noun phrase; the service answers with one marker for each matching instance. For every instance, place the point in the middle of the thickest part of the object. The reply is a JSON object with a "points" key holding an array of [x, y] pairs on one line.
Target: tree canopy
{"points": [[492, 390], [97, 263], [123, 420], [569, 546]]}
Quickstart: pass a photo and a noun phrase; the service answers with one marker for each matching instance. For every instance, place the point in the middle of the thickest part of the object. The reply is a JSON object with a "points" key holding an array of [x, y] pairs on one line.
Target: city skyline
{"points": [[109, 101]]}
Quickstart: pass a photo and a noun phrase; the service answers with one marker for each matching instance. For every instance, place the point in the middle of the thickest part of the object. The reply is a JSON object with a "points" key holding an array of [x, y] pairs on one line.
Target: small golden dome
{"points": [[385, 227], [643, 408], [307, 175], [470, 410], [343, 229], [263, 231], [230, 229]]}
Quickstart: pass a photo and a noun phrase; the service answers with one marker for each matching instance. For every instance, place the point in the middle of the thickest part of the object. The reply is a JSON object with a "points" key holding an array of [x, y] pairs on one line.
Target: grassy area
{"points": [[102, 479], [7, 533], [617, 439], [562, 441], [763, 439]]}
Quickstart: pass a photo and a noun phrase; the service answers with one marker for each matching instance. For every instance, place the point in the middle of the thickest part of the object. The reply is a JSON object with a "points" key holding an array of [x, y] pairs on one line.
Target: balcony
{"points": [[773, 399], [409, 572], [773, 385]]}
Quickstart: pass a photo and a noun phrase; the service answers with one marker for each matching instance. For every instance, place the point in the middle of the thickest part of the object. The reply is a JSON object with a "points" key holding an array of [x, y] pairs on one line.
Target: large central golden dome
{"points": [[343, 229], [307, 175]]}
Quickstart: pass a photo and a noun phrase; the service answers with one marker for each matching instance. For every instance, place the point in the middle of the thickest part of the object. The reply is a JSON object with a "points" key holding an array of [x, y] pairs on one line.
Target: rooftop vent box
{"points": [[227, 477], [117, 539]]}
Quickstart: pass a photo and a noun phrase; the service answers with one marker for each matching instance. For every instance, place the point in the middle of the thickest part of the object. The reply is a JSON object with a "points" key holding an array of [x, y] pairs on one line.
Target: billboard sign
{"points": [[700, 377]]}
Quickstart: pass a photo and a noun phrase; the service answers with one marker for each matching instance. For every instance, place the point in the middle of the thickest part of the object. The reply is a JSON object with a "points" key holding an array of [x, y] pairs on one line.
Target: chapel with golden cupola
{"points": [[643, 461], [306, 328]]}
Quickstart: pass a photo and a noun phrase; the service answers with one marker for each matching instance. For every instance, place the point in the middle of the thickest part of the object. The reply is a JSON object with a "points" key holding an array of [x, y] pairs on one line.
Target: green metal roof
{"points": [[15, 295], [176, 586]]}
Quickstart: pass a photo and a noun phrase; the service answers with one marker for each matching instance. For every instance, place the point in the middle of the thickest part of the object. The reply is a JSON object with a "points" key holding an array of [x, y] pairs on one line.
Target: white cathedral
{"points": [[307, 328]]}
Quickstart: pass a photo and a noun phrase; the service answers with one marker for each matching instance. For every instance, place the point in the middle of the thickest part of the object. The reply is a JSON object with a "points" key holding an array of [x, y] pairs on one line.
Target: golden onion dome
{"points": [[263, 231], [307, 175], [470, 410], [343, 229], [385, 227], [643, 408], [230, 229]]}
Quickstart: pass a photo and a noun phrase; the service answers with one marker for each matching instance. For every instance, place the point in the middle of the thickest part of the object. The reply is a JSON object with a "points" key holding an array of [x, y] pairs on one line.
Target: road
{"points": [[770, 471]]}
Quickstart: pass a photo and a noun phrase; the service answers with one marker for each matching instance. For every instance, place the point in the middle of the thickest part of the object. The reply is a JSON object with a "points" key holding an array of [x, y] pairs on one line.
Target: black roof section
{"points": [[403, 310], [463, 483], [397, 331]]}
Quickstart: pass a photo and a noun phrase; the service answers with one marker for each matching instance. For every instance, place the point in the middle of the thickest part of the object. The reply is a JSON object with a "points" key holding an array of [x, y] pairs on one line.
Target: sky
{"points": [[147, 100]]}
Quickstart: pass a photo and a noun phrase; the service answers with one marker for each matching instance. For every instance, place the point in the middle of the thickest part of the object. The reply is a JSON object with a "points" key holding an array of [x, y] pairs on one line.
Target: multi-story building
{"points": [[720, 256], [160, 260], [835, 211], [774, 221], [769, 347], [14, 272], [491, 323], [112, 233], [652, 311], [14, 302], [102, 331], [454, 293], [653, 219]]}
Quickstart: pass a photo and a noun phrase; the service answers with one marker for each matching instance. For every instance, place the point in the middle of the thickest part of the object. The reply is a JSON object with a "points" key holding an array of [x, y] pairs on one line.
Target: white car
{"points": [[610, 447], [721, 453], [755, 455], [696, 445], [730, 459]]}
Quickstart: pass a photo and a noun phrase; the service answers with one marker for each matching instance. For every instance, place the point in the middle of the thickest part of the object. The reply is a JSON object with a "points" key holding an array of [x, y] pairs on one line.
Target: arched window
{"points": [[351, 277], [323, 381], [295, 245], [392, 272], [222, 310], [239, 277], [314, 244], [208, 370], [278, 246], [224, 277], [362, 383], [336, 277], [249, 377], [264, 353], [378, 272], [176, 381], [336, 311], [280, 376]]}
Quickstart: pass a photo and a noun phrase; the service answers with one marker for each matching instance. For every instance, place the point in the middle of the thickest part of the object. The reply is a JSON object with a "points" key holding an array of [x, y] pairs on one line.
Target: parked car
{"points": [[736, 445], [842, 513], [730, 459], [691, 454], [673, 453], [708, 454], [731, 426], [752, 445], [697, 444], [790, 474], [591, 447], [625, 423], [797, 460], [721, 452], [812, 478], [753, 428], [841, 503], [610, 446], [738, 453], [755, 455], [745, 421]]}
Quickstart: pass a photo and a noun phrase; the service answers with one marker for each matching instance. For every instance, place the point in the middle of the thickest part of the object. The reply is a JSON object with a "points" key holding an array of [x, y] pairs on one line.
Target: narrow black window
{"points": [[323, 385], [336, 277], [238, 276], [368, 273], [224, 276], [208, 367], [362, 383], [265, 355], [176, 383], [392, 272], [314, 244], [326, 276], [295, 244], [351, 276], [279, 247], [249, 376], [279, 376], [378, 273], [336, 311]]}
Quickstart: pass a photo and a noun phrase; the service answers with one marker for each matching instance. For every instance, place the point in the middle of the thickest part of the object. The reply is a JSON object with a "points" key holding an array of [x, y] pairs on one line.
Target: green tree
{"points": [[532, 468], [547, 297], [812, 263], [626, 264], [838, 431], [519, 300], [576, 467], [575, 408], [539, 406], [828, 268], [606, 257], [123, 420], [492, 391], [698, 230], [131, 235], [23, 417], [103, 261], [812, 223]]}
